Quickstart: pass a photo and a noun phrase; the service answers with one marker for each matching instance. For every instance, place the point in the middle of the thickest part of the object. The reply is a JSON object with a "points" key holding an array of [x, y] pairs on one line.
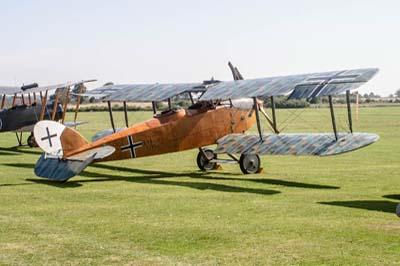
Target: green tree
{"points": [[315, 100], [397, 93]]}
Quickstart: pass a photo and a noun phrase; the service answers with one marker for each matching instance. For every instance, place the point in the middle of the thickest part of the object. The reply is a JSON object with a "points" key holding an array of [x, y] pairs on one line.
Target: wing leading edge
{"points": [[150, 92], [320, 144], [303, 86], [10, 90]]}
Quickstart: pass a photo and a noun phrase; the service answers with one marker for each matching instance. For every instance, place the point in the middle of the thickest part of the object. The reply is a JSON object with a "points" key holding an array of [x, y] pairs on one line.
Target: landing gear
{"points": [[31, 141], [19, 138], [204, 158], [398, 210], [249, 163]]}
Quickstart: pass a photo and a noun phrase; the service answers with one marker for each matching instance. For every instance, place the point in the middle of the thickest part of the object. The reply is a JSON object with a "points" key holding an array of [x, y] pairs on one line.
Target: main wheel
{"points": [[204, 163], [249, 163], [31, 141]]}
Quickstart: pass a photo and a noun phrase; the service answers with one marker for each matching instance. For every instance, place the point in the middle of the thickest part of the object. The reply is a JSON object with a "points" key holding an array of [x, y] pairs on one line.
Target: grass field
{"points": [[161, 210]]}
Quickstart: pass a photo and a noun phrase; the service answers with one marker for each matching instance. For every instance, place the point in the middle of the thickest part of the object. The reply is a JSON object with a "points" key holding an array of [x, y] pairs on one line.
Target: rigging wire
{"points": [[293, 116]]}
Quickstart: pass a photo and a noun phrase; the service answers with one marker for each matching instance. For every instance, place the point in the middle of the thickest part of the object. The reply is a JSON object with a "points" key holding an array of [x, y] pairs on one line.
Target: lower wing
{"points": [[320, 144]]}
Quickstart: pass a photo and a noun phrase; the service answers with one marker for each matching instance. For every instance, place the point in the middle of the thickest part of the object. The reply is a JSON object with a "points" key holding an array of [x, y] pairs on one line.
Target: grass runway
{"points": [[161, 210]]}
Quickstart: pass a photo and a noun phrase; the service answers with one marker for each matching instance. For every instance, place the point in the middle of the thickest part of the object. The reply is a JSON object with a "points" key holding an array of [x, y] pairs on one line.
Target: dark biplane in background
{"points": [[221, 115], [29, 104]]}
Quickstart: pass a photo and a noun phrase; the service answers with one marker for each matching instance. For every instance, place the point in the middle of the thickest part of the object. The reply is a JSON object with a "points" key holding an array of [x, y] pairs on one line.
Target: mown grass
{"points": [[161, 210]]}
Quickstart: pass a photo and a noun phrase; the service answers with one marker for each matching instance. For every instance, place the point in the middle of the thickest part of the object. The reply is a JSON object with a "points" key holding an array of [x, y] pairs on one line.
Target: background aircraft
{"points": [[221, 115], [29, 104]]}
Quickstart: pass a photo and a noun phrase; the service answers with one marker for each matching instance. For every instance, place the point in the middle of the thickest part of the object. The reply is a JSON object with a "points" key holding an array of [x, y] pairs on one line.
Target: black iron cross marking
{"points": [[131, 146], [327, 80], [49, 137]]}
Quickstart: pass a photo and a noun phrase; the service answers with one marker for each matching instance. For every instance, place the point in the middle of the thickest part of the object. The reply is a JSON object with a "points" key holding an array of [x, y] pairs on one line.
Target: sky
{"points": [[189, 41]]}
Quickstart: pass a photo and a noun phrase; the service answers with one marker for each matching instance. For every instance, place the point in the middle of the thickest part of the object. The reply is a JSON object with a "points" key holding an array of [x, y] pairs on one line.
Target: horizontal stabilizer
{"points": [[25, 129], [105, 133], [60, 170], [54, 168], [74, 124], [321, 144], [99, 153]]}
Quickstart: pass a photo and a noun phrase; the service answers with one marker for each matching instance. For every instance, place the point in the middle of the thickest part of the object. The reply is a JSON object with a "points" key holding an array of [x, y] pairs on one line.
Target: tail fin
{"points": [[59, 142], [56, 139]]}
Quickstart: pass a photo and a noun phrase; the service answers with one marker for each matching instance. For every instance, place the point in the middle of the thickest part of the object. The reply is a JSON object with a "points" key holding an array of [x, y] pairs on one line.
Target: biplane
{"points": [[221, 113], [29, 104]]}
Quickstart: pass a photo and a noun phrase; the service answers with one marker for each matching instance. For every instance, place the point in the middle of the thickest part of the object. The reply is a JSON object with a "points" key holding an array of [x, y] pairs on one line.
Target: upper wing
{"points": [[9, 90], [331, 83], [303, 86], [57, 86], [150, 92], [103, 91]]}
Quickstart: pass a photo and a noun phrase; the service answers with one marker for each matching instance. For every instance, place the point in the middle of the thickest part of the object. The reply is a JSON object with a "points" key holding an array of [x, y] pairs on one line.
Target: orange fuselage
{"points": [[174, 131]]}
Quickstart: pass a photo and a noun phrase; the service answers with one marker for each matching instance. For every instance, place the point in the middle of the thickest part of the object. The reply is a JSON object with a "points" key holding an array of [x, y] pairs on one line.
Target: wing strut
{"points": [[191, 97], [169, 104], [19, 138], [269, 120], [333, 117], [53, 115], [274, 115], [65, 107], [44, 103], [14, 100], [126, 114], [3, 100], [78, 102], [349, 110], [257, 118], [111, 115]]}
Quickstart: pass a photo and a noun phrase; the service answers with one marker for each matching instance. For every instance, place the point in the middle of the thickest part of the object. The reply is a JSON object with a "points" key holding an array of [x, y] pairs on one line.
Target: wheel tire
{"points": [[31, 141], [398, 210], [203, 163], [249, 163]]}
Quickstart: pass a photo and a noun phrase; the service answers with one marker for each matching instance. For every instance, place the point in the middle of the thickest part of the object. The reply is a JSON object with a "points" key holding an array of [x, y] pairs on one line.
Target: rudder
{"points": [[56, 139]]}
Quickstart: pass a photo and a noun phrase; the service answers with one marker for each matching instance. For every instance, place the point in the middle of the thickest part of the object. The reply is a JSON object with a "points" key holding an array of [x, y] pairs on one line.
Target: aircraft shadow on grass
{"points": [[372, 205], [149, 177], [152, 177], [204, 175], [4, 153], [392, 196], [17, 151]]}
